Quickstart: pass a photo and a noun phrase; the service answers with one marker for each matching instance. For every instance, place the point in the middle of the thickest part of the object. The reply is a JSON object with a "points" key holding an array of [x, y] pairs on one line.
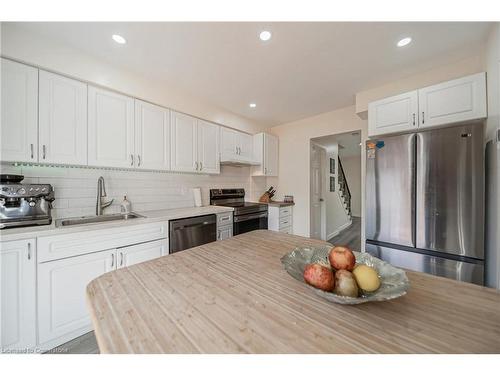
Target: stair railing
{"points": [[344, 187]]}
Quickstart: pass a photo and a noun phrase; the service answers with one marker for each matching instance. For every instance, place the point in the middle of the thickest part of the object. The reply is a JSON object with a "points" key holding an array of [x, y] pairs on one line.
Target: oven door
{"points": [[250, 222]]}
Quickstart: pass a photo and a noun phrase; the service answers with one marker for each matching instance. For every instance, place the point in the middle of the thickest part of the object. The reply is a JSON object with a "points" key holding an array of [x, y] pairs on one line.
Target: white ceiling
{"points": [[305, 69]]}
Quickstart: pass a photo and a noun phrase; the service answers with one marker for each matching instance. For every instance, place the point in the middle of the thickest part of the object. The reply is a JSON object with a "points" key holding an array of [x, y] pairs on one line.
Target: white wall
{"points": [[492, 67], [33, 49], [336, 215], [75, 188], [352, 170], [294, 157]]}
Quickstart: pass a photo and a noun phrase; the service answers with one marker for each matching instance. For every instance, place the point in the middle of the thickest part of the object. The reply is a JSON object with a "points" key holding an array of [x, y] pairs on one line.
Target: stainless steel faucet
{"points": [[101, 193]]}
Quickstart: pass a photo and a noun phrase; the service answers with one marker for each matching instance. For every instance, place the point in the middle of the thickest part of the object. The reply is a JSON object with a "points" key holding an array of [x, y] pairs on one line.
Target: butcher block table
{"points": [[234, 296]]}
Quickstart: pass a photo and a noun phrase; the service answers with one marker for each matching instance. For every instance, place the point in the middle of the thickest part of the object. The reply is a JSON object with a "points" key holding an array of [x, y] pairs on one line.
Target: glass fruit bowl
{"points": [[393, 281]]}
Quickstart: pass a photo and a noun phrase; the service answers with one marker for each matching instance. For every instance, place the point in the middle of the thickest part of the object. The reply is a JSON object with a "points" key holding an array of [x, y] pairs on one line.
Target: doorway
{"points": [[335, 199]]}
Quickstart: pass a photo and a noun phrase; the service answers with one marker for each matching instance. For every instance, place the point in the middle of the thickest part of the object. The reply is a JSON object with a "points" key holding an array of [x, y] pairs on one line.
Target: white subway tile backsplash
{"points": [[75, 188]]}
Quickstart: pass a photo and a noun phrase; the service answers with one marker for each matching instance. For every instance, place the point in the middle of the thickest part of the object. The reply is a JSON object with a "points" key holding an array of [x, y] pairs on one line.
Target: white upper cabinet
{"points": [[270, 155], [183, 143], [266, 153], [208, 147], [446, 103], [152, 136], [194, 145], [18, 295], [394, 114], [62, 120], [236, 147], [454, 101], [228, 146], [245, 143], [110, 129], [19, 112]]}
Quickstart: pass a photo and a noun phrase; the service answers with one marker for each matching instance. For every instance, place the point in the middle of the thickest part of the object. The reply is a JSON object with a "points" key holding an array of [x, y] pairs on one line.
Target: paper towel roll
{"points": [[197, 197]]}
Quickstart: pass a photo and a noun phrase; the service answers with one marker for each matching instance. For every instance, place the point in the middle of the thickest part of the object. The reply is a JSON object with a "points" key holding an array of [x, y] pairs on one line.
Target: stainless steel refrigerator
{"points": [[425, 201]]}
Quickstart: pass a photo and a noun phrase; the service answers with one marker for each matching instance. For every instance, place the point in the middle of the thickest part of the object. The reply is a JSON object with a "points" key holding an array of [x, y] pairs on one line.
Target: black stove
{"points": [[247, 216]]}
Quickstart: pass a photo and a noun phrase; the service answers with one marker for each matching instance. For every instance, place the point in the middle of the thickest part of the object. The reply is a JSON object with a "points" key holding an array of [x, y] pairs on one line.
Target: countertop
{"points": [[234, 296], [279, 204], [150, 217]]}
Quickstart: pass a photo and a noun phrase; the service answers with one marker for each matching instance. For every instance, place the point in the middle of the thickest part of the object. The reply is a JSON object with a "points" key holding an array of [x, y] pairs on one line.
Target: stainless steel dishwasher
{"points": [[190, 232]]}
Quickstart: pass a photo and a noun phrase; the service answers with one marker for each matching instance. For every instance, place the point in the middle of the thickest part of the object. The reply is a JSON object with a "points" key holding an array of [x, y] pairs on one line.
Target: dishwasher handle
{"points": [[179, 227], [191, 222]]}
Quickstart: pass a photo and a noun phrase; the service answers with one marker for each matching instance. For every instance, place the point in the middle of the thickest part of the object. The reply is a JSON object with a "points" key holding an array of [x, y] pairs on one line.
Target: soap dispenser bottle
{"points": [[125, 206]]}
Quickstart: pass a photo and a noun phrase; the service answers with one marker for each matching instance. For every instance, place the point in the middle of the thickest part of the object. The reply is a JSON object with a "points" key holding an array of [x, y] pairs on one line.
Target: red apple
{"points": [[342, 258], [319, 276]]}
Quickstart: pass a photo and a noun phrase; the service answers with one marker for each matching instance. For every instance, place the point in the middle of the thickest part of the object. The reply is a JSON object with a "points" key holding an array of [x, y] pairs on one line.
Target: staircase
{"points": [[345, 193]]}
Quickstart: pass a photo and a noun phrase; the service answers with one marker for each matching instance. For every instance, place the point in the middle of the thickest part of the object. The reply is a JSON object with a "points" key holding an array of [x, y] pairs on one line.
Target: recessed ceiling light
{"points": [[119, 39], [265, 35], [252, 105], [404, 42]]}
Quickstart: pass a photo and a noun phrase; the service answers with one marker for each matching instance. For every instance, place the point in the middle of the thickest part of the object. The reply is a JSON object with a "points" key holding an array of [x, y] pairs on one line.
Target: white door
{"points": [[224, 233], [152, 136], [316, 193], [110, 129], [459, 100], [17, 295], [62, 310], [395, 114], [130, 255], [270, 155], [245, 146], [62, 127], [183, 143], [19, 117], [228, 145], [208, 147]]}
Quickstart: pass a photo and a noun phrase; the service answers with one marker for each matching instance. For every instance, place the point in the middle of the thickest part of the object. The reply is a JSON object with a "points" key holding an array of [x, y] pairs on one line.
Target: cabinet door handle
{"points": [[112, 260], [131, 159], [121, 259], [32, 150], [29, 250], [44, 152], [138, 160], [413, 119], [423, 117]]}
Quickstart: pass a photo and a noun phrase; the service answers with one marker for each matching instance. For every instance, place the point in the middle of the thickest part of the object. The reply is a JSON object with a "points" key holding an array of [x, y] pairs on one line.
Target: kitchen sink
{"points": [[95, 219]]}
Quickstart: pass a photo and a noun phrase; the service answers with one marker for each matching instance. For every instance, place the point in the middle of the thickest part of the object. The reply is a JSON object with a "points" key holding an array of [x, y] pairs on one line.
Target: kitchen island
{"points": [[234, 296]]}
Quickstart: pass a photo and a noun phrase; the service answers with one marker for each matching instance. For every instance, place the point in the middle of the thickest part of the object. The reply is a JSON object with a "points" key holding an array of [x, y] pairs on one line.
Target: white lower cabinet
{"points": [[280, 219], [67, 263], [62, 312], [131, 255], [18, 296]]}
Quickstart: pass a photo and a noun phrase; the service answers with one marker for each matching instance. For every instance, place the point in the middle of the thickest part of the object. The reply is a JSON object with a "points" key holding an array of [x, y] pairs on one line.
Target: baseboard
{"points": [[340, 229]]}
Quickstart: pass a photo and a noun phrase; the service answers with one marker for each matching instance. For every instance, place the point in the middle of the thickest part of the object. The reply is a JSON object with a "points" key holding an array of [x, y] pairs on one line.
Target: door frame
{"points": [[322, 229]]}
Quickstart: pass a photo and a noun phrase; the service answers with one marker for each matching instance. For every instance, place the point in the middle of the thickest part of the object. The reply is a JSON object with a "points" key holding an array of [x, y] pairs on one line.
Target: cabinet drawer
{"points": [[285, 211], [225, 218], [285, 222], [69, 245], [287, 230]]}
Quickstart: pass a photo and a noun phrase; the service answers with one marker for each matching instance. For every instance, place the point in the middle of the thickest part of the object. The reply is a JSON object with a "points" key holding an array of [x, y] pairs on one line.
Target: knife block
{"points": [[265, 198]]}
